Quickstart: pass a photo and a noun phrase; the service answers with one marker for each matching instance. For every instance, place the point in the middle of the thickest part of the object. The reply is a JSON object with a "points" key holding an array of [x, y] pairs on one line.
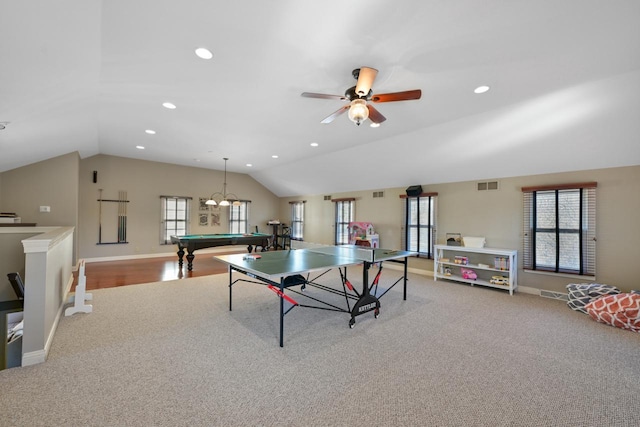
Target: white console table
{"points": [[482, 262]]}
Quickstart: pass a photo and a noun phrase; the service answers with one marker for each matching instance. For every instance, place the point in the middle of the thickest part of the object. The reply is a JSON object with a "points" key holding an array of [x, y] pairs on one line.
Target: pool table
{"points": [[193, 242]]}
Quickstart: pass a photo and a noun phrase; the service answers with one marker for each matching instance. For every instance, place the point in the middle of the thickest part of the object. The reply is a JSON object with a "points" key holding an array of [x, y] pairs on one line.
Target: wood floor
{"points": [[109, 274]]}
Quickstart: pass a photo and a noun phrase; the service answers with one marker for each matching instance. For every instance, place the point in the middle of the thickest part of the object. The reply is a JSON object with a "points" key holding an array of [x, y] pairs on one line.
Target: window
{"points": [[420, 224], [344, 215], [297, 220], [174, 217], [239, 218], [560, 228]]}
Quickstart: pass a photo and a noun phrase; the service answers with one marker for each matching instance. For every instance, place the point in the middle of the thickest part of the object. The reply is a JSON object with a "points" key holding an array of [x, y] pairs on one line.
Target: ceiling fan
{"points": [[358, 95]]}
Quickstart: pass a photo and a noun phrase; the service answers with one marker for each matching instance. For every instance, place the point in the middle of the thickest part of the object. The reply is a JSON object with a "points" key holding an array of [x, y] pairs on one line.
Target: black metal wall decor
{"points": [[107, 225]]}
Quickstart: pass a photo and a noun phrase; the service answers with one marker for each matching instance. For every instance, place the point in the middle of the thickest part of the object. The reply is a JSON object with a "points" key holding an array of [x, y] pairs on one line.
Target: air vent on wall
{"points": [[378, 194], [487, 185], [554, 295], [327, 198]]}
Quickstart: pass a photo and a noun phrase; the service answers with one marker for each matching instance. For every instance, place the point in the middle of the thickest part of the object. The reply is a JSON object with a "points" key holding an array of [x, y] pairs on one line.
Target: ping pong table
{"points": [[294, 269]]}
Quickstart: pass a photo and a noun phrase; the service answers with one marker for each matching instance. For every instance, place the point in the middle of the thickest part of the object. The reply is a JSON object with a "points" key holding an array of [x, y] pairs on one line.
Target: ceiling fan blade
{"points": [[374, 115], [323, 96], [397, 96], [335, 114], [365, 80]]}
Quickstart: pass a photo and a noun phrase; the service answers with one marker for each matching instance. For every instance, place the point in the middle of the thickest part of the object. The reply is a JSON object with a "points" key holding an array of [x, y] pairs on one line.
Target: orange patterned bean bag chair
{"points": [[621, 310]]}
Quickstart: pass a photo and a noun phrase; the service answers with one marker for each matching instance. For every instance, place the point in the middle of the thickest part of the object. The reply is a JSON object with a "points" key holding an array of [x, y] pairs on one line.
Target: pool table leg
{"points": [[190, 257], [180, 255]]}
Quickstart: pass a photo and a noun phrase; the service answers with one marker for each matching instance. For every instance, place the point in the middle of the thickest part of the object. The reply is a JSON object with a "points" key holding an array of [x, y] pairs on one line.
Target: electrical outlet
{"points": [[45, 208]]}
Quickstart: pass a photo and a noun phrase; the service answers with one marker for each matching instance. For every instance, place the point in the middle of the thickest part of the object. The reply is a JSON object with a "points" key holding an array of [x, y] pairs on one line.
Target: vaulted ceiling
{"points": [[91, 76]]}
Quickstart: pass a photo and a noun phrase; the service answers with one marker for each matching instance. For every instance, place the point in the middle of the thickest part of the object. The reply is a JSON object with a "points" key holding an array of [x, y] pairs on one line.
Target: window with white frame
{"points": [[239, 218], [560, 228], [344, 215], [297, 220], [420, 224], [174, 217]]}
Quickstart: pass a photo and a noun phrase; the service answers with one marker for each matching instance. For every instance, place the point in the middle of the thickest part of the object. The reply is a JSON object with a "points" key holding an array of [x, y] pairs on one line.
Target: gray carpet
{"points": [[171, 354]]}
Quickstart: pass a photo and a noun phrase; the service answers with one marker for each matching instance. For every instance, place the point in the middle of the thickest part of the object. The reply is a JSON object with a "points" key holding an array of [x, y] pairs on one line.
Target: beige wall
{"points": [[144, 183], [497, 215], [52, 182]]}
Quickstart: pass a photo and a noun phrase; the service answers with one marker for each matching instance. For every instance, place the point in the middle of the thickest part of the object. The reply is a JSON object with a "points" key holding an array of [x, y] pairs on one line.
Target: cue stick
{"points": [[118, 201], [120, 216], [100, 216], [121, 203], [124, 224]]}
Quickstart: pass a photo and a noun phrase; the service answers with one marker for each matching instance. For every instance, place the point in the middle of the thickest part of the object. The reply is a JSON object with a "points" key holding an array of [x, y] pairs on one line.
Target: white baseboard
{"points": [[528, 290], [34, 357], [400, 267]]}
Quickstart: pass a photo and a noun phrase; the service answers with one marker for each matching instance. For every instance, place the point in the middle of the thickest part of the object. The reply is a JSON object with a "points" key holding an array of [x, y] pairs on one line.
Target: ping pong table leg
{"points": [[366, 302], [230, 284], [282, 313], [406, 262]]}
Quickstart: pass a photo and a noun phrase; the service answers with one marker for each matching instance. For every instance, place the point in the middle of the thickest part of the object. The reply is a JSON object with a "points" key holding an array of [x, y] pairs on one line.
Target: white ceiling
{"points": [[90, 76]]}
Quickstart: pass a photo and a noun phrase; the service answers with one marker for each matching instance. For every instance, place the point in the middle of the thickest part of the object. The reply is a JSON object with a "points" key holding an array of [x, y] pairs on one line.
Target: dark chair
{"points": [[285, 238], [17, 284]]}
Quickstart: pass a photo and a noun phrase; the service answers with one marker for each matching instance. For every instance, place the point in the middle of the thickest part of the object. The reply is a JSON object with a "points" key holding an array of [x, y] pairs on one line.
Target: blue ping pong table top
{"points": [[276, 264]]}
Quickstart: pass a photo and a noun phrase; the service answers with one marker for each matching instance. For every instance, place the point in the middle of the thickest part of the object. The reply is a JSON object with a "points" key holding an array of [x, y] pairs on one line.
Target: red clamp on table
{"points": [[348, 284], [282, 295], [377, 278]]}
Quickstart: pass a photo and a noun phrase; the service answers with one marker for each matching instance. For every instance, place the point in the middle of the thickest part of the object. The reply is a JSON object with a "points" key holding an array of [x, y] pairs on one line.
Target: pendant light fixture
{"points": [[225, 199]]}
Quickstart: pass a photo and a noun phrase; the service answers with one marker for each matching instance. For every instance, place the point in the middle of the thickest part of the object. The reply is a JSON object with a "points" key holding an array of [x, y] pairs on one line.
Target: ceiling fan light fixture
{"points": [[362, 99], [365, 77], [358, 111]]}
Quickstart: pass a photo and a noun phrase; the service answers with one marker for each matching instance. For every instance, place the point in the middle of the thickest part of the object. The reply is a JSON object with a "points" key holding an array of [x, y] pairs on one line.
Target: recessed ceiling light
{"points": [[169, 105], [314, 144], [204, 53], [139, 147], [249, 165], [481, 89], [375, 125], [150, 131], [275, 156]]}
